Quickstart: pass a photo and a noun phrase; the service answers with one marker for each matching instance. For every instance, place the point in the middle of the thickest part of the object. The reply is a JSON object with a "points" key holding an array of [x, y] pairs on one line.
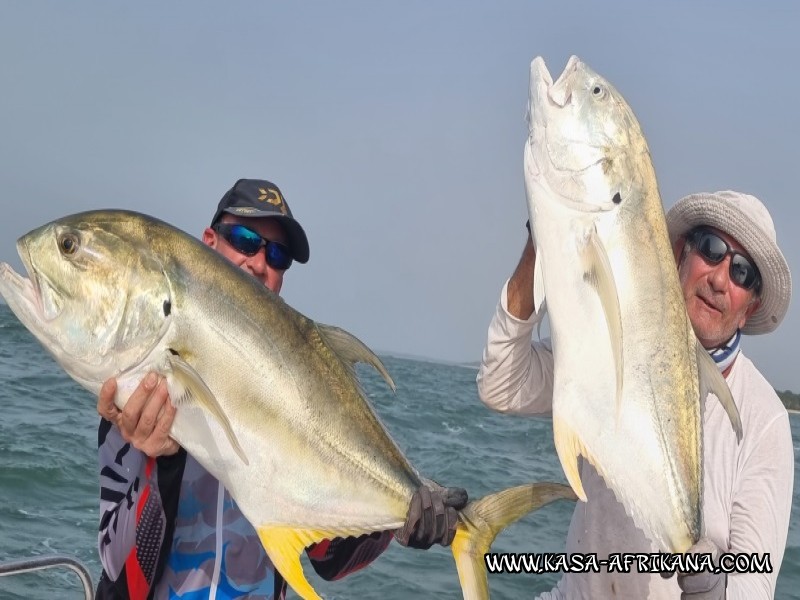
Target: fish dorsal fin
{"points": [[711, 380], [351, 350], [538, 283], [284, 546], [187, 387], [599, 274]]}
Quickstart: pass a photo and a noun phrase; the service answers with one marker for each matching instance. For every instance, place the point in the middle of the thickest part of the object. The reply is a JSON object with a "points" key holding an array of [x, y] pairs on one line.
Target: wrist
{"points": [[172, 459]]}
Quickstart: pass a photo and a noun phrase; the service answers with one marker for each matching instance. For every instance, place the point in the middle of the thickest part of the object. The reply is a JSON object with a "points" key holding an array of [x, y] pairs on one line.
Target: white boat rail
{"points": [[37, 563]]}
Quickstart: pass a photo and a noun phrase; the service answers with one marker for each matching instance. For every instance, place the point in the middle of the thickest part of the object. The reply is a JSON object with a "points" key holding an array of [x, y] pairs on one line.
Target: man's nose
{"points": [[258, 262], [719, 277]]}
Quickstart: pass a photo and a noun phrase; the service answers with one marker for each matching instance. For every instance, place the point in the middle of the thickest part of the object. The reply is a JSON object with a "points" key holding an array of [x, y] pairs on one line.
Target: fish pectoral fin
{"points": [[186, 386], [711, 380], [569, 447], [284, 546], [538, 283], [480, 522], [351, 350], [599, 274]]}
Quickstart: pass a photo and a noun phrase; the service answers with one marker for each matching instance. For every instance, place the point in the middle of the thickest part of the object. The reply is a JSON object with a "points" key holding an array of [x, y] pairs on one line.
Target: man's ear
{"points": [[210, 237], [753, 307]]}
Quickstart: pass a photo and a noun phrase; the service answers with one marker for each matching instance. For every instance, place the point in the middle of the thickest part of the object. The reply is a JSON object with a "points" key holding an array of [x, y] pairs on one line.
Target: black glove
{"points": [[705, 585], [432, 516]]}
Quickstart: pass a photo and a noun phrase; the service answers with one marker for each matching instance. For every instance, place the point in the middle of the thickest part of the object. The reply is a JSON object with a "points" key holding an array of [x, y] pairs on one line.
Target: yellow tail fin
{"points": [[482, 520]]}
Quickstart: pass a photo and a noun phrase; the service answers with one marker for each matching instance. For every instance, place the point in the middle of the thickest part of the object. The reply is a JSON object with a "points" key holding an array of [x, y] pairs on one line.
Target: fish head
{"points": [[96, 298], [584, 141]]}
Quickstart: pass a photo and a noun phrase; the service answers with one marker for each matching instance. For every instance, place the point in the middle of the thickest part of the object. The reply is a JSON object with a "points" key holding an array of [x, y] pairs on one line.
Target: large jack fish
{"points": [[267, 400], [630, 374]]}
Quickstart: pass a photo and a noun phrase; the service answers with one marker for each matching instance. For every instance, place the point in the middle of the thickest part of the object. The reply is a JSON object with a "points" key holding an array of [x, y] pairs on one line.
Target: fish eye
{"points": [[68, 244], [598, 91]]}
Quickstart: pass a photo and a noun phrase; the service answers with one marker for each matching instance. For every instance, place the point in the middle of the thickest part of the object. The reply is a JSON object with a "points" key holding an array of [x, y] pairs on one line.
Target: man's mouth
{"points": [[709, 304]]}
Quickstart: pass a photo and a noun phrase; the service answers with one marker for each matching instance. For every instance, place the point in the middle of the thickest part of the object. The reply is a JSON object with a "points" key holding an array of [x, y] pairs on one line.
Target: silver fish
{"points": [[629, 373], [267, 400]]}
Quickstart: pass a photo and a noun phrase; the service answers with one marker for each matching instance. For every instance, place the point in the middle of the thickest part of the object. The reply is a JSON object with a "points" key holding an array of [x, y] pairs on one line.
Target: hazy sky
{"points": [[395, 131]]}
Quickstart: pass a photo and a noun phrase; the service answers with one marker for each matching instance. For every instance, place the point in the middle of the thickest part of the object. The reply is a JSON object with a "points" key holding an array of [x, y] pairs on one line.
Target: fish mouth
{"points": [[560, 91], [540, 83], [544, 92], [16, 289], [19, 291]]}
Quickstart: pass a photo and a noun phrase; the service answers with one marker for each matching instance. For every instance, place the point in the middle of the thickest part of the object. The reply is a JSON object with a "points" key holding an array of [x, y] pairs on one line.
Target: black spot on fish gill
{"points": [[590, 277], [173, 352], [167, 307], [617, 198]]}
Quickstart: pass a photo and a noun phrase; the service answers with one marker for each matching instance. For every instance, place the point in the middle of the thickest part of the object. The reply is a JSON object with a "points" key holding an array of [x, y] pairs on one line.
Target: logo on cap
{"points": [[272, 197]]}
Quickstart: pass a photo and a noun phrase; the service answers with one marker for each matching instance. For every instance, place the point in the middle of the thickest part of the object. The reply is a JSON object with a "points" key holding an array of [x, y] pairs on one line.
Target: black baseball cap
{"points": [[261, 198]]}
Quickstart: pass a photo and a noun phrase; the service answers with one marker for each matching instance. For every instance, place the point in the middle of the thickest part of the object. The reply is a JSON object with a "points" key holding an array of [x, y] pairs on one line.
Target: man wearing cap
{"points": [[735, 281], [168, 528]]}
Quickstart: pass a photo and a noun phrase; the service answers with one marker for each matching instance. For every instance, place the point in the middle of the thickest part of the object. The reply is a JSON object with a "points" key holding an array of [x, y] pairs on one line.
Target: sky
{"points": [[394, 130]]}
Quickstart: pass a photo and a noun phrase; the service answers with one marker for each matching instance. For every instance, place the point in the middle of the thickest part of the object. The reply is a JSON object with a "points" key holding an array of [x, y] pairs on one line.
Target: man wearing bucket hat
{"points": [[168, 528], [735, 282]]}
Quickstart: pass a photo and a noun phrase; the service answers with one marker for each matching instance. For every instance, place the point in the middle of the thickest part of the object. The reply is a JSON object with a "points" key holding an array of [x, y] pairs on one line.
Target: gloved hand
{"points": [[705, 585], [432, 516]]}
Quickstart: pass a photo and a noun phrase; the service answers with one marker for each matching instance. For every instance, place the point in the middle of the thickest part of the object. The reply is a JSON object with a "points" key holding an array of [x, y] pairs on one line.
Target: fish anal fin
{"points": [[284, 546], [351, 350], [600, 275], [711, 380], [186, 386], [569, 447]]}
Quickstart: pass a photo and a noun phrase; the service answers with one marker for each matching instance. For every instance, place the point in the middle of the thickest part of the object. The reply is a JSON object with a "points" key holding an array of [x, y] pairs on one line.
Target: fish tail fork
{"points": [[482, 520], [283, 546]]}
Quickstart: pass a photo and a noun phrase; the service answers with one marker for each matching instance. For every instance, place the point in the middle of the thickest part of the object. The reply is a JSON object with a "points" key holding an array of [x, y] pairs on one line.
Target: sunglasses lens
{"points": [[742, 272], [245, 241], [278, 256], [711, 247]]}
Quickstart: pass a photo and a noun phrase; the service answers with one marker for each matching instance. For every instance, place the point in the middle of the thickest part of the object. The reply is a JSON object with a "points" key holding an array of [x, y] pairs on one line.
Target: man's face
{"points": [[717, 306], [256, 266]]}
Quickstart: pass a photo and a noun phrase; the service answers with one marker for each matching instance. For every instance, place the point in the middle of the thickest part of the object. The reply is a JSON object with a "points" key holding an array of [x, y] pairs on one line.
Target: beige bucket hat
{"points": [[747, 220]]}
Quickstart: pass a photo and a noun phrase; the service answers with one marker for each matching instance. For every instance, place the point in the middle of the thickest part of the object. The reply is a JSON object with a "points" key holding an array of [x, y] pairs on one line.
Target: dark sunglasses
{"points": [[248, 242], [714, 249]]}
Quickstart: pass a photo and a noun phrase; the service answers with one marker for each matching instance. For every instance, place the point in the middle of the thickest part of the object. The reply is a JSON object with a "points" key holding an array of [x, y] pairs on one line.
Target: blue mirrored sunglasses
{"points": [[714, 249], [248, 242]]}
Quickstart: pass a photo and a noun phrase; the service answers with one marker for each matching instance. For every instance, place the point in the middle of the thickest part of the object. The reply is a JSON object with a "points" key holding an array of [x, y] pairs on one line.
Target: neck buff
{"points": [[725, 355]]}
